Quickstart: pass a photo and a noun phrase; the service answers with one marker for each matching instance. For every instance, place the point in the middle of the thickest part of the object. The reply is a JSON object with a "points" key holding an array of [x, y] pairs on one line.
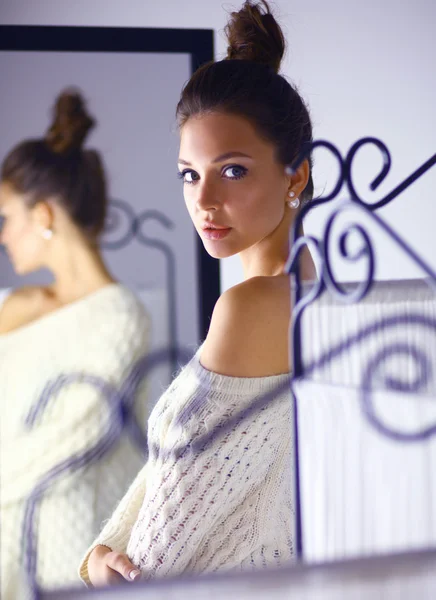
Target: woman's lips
{"points": [[216, 233]]}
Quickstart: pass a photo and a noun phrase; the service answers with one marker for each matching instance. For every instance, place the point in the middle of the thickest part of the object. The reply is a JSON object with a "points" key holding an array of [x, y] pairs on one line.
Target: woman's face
{"points": [[19, 233], [234, 187]]}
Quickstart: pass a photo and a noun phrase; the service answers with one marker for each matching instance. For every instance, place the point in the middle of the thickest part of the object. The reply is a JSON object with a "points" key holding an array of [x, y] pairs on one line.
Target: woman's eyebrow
{"points": [[221, 157]]}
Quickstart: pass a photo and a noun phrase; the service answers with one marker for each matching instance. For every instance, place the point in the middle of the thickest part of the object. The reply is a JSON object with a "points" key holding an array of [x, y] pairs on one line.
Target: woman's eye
{"points": [[235, 172], [188, 176]]}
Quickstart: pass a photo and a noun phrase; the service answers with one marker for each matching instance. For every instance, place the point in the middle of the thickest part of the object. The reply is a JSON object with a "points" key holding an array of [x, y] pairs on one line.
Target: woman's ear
{"points": [[43, 215], [298, 180]]}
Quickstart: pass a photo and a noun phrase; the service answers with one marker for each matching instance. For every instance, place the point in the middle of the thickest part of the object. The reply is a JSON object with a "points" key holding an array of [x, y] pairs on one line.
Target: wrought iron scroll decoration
{"points": [[119, 211], [120, 417], [321, 247], [155, 215], [327, 281]]}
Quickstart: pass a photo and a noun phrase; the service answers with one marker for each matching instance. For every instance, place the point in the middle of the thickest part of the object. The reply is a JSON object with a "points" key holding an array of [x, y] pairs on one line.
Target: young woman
{"points": [[217, 490], [53, 205]]}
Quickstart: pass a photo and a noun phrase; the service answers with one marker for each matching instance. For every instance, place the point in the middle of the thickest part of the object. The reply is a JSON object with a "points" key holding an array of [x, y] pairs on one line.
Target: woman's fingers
{"points": [[122, 565], [106, 567]]}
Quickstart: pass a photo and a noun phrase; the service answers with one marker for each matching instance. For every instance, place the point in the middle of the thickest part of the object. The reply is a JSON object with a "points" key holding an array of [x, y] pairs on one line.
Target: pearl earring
{"points": [[293, 203], [47, 233]]}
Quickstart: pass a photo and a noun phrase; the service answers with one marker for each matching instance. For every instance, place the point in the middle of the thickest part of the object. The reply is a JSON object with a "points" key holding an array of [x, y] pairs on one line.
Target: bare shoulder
{"points": [[248, 334], [20, 307]]}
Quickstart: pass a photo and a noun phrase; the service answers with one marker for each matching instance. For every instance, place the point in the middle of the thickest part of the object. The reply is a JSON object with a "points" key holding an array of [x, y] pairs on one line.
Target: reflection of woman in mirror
{"points": [[53, 204], [227, 504]]}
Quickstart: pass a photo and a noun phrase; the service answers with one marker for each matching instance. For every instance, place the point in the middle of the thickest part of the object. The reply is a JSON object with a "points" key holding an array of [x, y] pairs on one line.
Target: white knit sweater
{"points": [[100, 335], [216, 492]]}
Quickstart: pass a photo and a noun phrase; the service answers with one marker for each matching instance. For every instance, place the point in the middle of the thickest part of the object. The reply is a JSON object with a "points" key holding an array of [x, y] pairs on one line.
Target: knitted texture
{"points": [[101, 335], [216, 493]]}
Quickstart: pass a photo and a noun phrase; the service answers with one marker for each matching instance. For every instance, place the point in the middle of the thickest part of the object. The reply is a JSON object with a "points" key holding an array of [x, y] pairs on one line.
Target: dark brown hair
{"points": [[247, 83], [57, 166]]}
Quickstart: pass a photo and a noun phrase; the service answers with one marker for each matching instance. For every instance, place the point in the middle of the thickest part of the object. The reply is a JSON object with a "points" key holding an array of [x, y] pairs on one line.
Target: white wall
{"points": [[365, 68]]}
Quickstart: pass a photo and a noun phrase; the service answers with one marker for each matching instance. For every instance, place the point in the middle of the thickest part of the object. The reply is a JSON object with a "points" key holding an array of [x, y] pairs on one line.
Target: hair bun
{"points": [[253, 34], [71, 123]]}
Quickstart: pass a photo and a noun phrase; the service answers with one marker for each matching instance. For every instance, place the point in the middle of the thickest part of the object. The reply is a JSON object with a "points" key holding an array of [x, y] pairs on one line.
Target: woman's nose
{"points": [[207, 197]]}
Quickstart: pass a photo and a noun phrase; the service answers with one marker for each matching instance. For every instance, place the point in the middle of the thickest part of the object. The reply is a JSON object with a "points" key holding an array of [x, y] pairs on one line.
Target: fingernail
{"points": [[134, 573]]}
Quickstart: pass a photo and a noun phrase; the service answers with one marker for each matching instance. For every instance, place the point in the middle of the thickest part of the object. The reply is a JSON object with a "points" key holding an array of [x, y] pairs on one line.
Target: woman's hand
{"points": [[109, 568]]}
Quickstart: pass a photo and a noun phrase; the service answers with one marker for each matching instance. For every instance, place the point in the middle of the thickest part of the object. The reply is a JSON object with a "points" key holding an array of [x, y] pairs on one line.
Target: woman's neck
{"points": [[256, 262], [78, 270]]}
